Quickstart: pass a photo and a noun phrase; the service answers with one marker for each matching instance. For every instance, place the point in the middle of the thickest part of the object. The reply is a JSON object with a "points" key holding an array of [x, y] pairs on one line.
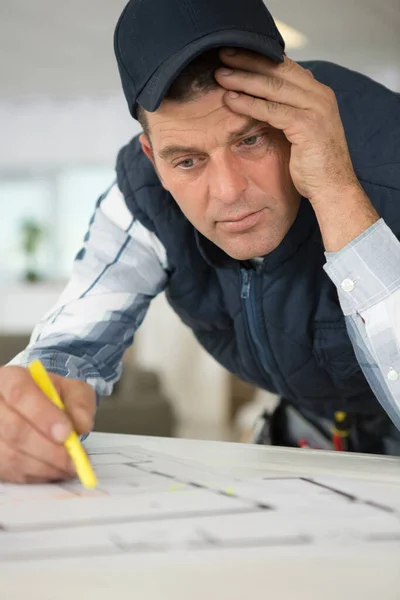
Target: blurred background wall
{"points": [[62, 120]]}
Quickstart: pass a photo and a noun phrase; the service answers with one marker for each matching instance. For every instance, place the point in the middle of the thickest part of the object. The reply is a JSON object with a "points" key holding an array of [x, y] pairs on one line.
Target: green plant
{"points": [[32, 234]]}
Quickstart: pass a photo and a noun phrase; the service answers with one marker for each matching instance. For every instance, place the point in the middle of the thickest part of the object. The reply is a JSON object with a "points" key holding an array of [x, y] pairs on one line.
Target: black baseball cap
{"points": [[155, 39]]}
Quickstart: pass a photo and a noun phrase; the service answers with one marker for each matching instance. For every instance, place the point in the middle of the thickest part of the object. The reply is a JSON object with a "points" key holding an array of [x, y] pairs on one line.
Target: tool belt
{"points": [[296, 427]]}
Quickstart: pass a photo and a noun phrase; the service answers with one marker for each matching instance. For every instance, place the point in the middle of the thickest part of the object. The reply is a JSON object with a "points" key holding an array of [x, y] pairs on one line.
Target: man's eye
{"points": [[252, 140], [186, 164]]}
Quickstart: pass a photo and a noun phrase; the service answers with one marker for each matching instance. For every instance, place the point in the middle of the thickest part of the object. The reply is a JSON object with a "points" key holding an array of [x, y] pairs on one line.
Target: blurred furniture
{"points": [[11, 345], [137, 405], [240, 394]]}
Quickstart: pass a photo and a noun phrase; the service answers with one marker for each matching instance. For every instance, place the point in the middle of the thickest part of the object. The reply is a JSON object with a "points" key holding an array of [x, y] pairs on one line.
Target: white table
{"points": [[252, 573], [250, 459]]}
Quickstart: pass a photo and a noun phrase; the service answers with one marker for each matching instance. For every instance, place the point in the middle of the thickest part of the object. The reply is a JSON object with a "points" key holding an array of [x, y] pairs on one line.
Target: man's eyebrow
{"points": [[170, 151]]}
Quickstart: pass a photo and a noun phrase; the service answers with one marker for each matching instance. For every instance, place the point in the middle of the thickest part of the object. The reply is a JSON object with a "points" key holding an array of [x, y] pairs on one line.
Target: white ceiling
{"points": [[64, 49]]}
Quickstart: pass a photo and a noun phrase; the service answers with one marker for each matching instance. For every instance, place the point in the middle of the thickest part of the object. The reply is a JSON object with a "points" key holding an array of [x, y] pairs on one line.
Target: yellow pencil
{"points": [[72, 444]]}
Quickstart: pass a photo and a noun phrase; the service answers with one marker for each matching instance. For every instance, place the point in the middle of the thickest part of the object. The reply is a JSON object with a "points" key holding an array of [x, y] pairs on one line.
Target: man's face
{"points": [[229, 176]]}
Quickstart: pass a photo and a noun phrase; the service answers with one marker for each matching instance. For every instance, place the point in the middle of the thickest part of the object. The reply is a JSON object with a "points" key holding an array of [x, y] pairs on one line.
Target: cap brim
{"points": [[159, 82]]}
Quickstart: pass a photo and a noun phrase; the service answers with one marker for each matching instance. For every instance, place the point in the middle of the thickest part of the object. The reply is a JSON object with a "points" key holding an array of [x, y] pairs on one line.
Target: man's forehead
{"points": [[229, 124], [205, 106], [196, 114]]}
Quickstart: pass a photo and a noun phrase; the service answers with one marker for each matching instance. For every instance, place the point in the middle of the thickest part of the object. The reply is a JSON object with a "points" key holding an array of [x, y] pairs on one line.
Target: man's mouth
{"points": [[241, 223]]}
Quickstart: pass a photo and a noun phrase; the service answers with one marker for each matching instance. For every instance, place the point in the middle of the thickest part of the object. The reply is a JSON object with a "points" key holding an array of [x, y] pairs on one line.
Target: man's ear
{"points": [[146, 147], [148, 150]]}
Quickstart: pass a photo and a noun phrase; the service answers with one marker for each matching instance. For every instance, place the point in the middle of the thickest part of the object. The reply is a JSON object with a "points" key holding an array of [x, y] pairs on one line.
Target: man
{"points": [[262, 198]]}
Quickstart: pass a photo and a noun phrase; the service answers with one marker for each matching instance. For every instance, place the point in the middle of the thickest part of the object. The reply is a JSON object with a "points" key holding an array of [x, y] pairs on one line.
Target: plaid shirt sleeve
{"points": [[367, 276], [119, 269]]}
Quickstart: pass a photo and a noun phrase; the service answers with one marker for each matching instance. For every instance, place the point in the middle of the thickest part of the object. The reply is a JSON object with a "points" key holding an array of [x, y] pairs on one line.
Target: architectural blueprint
{"points": [[152, 502]]}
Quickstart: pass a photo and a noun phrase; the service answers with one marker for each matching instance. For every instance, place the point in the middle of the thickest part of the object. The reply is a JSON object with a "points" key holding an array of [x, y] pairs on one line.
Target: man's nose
{"points": [[227, 181]]}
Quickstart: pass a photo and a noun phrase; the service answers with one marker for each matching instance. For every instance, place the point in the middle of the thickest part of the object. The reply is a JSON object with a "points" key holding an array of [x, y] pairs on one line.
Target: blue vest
{"points": [[278, 326]]}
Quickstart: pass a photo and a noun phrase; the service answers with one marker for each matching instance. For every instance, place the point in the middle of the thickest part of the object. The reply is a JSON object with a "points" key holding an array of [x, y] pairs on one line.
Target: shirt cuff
{"points": [[65, 365], [367, 270]]}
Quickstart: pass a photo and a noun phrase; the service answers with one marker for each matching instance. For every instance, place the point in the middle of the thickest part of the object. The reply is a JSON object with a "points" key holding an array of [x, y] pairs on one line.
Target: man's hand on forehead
{"points": [[289, 98]]}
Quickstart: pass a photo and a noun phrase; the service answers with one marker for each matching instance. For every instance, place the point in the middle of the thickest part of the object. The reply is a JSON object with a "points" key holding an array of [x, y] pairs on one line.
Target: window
{"points": [[79, 190], [57, 206], [21, 202]]}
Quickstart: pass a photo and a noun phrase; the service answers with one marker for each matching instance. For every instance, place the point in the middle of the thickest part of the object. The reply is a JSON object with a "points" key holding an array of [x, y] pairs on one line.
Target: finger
{"points": [[21, 393], [267, 87], [16, 467], [280, 116], [256, 63], [80, 401], [18, 433]]}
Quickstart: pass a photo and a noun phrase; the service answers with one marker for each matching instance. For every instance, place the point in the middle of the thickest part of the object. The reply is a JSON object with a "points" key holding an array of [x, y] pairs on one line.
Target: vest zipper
{"points": [[257, 345]]}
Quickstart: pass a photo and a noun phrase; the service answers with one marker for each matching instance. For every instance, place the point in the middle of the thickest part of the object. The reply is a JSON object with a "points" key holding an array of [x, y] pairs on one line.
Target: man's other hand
{"points": [[289, 98]]}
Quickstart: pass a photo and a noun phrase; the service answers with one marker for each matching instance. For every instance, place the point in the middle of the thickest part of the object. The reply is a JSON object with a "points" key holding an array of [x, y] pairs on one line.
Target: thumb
{"points": [[79, 399]]}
